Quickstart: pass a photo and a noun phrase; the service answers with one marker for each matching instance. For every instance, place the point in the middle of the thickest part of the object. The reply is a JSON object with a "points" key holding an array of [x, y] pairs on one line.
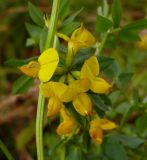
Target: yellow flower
{"points": [[80, 38], [97, 126], [45, 67], [54, 90], [90, 70], [68, 125], [143, 43], [75, 92]]}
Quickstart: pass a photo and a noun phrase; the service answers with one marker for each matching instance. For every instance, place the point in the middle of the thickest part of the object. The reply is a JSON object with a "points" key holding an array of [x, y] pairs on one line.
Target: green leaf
{"points": [[137, 25], [105, 62], [141, 123], [69, 28], [19, 62], [113, 149], [64, 9], [56, 145], [99, 104], [36, 14], [43, 37], [109, 66], [75, 154], [34, 31], [116, 12], [22, 84], [74, 113], [130, 141], [82, 55], [102, 24], [123, 79], [122, 108], [72, 17], [129, 35]]}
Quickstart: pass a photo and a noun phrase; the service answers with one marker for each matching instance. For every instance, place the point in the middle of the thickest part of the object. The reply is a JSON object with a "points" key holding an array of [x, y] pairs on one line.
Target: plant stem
{"points": [[41, 99], [39, 127], [101, 46], [53, 24], [5, 151]]}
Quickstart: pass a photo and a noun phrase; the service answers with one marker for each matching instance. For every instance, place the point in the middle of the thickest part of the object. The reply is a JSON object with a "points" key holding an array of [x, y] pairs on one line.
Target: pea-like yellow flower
{"points": [[143, 43], [54, 91], [68, 125], [96, 129], [45, 67], [90, 70], [80, 38], [76, 93]]}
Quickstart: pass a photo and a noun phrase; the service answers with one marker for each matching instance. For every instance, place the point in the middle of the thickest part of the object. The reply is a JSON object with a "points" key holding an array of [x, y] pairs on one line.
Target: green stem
{"points": [[101, 46], [5, 151], [39, 127], [53, 24], [41, 99]]}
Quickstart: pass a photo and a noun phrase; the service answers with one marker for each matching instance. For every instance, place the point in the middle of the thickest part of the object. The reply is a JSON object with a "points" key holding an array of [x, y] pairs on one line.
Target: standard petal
{"points": [[31, 69], [46, 89], [69, 94], [81, 85], [48, 60], [54, 106], [99, 85], [82, 104], [83, 36], [90, 68], [51, 89]]}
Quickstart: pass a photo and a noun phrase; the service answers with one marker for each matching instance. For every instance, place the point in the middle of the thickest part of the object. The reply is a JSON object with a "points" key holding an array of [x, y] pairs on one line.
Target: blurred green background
{"points": [[17, 113]]}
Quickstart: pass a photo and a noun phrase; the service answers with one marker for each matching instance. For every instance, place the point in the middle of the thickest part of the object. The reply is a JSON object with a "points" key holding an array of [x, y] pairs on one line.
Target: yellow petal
{"points": [[96, 134], [81, 85], [99, 85], [31, 69], [54, 106], [90, 68], [48, 60], [68, 124], [82, 104], [65, 114], [107, 125], [69, 94], [103, 124], [74, 46], [63, 36], [66, 128], [83, 36], [51, 89]]}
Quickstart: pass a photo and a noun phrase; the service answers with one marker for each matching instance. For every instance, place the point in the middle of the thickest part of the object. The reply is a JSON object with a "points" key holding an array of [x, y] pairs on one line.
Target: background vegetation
{"points": [[128, 101]]}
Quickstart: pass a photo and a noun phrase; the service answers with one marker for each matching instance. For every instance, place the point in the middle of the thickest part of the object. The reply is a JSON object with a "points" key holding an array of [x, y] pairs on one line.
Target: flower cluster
{"points": [[74, 87]]}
